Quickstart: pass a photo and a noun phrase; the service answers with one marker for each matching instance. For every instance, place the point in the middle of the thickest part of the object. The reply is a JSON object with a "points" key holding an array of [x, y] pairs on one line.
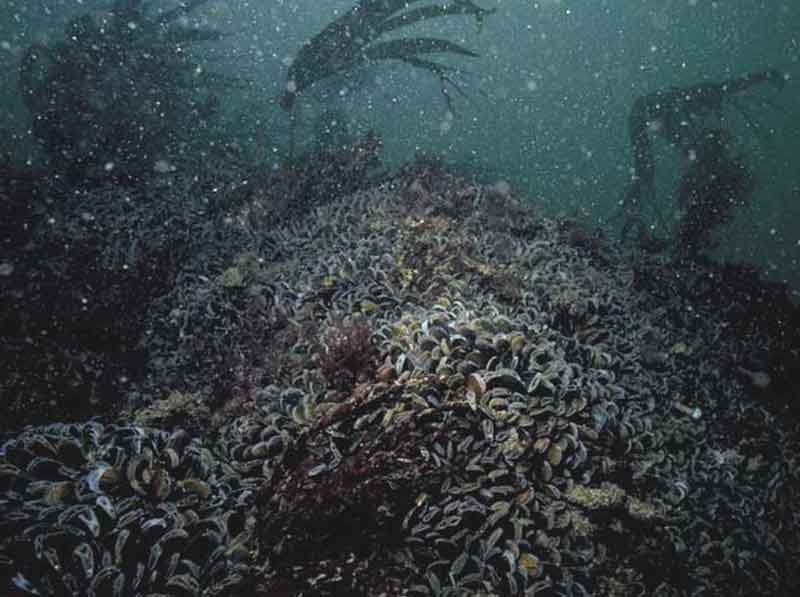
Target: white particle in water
{"points": [[163, 167]]}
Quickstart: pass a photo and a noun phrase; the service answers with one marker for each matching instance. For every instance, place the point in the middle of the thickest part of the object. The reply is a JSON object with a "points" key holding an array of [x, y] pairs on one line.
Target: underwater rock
{"points": [[490, 445]]}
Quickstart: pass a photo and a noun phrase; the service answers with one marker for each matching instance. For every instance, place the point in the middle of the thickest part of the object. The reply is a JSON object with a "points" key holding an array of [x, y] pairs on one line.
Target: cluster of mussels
{"points": [[91, 509], [533, 425]]}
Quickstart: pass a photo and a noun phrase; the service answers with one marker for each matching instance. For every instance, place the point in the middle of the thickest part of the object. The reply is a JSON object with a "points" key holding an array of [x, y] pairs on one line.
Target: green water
{"points": [[547, 100]]}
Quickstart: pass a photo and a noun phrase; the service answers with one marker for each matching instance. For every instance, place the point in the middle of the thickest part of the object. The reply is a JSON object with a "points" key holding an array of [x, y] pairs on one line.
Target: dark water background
{"points": [[548, 98]]}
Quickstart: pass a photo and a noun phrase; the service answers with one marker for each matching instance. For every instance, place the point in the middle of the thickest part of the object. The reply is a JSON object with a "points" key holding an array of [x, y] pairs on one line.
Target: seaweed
{"points": [[354, 39], [347, 354], [679, 115], [714, 184], [113, 98]]}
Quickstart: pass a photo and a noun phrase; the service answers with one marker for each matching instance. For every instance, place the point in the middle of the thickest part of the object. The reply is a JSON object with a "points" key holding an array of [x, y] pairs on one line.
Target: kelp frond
{"points": [[681, 116], [354, 39], [430, 12], [398, 49]]}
